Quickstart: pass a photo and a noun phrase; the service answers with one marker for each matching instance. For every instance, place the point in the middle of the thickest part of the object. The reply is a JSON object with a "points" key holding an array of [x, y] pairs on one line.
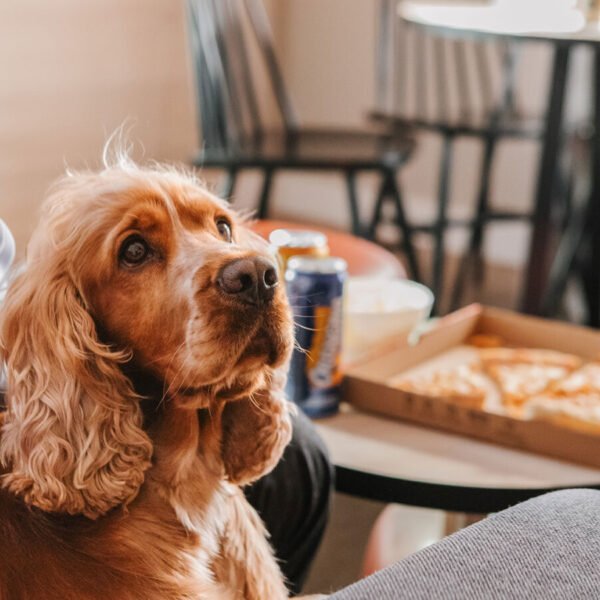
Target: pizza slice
{"points": [[579, 411], [524, 372], [583, 381], [463, 384]]}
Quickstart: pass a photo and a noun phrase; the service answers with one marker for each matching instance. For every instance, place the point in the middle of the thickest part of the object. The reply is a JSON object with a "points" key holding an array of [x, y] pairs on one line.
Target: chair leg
{"points": [[575, 226], [353, 202], [390, 190], [591, 273], [263, 202], [566, 258], [482, 205], [473, 256], [441, 221], [407, 232], [591, 290], [228, 185], [377, 211]]}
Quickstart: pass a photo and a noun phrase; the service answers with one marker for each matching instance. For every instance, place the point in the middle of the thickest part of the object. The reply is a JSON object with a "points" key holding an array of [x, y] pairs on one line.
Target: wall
{"points": [[70, 73]]}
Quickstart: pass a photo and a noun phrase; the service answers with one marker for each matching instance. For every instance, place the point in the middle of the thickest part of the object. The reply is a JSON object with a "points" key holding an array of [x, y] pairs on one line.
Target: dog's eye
{"points": [[224, 229], [134, 251]]}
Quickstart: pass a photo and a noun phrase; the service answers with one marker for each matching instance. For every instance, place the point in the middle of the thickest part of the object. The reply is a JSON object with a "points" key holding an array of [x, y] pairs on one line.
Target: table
{"points": [[383, 459], [564, 27], [364, 258]]}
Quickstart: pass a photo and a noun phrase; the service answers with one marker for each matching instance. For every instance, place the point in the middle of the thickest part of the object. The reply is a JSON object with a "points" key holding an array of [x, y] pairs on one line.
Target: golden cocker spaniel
{"points": [[144, 344]]}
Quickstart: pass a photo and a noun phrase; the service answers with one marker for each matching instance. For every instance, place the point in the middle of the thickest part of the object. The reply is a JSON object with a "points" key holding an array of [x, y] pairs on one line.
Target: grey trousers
{"points": [[546, 548]]}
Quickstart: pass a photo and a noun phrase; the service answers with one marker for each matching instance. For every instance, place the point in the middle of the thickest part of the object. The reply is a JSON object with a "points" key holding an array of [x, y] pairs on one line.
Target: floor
{"points": [[341, 558]]}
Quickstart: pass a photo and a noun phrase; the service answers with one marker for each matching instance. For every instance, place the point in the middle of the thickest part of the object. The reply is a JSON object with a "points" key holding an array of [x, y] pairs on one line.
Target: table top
{"points": [[394, 461], [364, 258], [550, 20]]}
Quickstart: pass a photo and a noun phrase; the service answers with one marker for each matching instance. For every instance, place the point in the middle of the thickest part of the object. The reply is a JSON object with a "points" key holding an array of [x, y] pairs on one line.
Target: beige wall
{"points": [[71, 71]]}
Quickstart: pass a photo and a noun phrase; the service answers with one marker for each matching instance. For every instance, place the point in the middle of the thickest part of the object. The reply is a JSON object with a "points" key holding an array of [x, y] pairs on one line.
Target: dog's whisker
{"points": [[296, 324], [298, 347]]}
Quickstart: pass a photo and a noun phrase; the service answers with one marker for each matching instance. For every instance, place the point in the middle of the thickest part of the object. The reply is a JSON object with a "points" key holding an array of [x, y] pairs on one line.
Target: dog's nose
{"points": [[250, 280]]}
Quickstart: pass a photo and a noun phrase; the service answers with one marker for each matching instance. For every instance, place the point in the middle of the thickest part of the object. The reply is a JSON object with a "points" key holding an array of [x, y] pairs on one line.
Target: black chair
{"points": [[444, 85], [235, 135]]}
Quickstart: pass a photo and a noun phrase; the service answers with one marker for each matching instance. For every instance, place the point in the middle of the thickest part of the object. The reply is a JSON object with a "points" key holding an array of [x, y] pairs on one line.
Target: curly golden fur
{"points": [[140, 398]]}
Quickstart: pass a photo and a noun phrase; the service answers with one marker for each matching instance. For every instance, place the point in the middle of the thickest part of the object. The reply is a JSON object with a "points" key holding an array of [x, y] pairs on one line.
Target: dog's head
{"points": [[136, 266]]}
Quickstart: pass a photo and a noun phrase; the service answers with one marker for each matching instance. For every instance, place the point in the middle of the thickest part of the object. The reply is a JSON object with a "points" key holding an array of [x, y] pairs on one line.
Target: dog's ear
{"points": [[72, 440], [255, 432]]}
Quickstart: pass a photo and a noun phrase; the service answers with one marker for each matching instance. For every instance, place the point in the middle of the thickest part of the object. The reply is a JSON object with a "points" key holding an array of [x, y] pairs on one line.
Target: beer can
{"points": [[315, 286], [295, 242]]}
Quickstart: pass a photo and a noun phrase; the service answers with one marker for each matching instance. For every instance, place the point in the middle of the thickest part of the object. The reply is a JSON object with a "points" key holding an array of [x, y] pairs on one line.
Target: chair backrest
{"points": [[431, 78], [230, 41]]}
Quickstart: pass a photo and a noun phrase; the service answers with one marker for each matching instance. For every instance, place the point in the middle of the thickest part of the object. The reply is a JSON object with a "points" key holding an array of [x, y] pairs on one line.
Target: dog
{"points": [[145, 343]]}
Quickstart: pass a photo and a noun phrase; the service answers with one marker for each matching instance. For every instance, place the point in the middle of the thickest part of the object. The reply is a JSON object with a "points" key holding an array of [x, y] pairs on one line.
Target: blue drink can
{"points": [[315, 286]]}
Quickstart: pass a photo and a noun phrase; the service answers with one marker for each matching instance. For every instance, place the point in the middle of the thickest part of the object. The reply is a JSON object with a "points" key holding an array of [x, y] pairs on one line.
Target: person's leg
{"points": [[293, 501], [545, 548]]}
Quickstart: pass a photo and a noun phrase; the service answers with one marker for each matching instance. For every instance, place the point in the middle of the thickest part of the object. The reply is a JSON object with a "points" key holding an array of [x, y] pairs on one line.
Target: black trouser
{"points": [[293, 501]]}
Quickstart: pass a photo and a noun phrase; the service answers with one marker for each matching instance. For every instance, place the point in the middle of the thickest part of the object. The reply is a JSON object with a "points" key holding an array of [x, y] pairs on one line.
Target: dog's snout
{"points": [[249, 280]]}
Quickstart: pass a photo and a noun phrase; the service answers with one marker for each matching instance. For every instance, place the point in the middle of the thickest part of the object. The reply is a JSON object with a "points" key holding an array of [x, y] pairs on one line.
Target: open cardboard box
{"points": [[367, 386]]}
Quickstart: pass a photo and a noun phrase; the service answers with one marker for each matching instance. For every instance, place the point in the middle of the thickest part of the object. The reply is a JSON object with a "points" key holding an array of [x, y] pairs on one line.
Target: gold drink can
{"points": [[294, 242]]}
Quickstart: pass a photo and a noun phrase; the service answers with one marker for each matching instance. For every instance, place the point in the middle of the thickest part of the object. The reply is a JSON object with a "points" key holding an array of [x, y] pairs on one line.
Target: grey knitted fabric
{"points": [[547, 547]]}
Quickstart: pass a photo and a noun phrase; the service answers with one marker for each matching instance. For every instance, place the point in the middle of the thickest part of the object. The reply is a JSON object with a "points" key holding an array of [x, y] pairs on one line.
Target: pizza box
{"points": [[368, 386]]}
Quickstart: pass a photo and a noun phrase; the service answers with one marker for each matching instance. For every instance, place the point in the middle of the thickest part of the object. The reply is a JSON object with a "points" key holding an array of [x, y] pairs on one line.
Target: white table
{"points": [[548, 20], [393, 461]]}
